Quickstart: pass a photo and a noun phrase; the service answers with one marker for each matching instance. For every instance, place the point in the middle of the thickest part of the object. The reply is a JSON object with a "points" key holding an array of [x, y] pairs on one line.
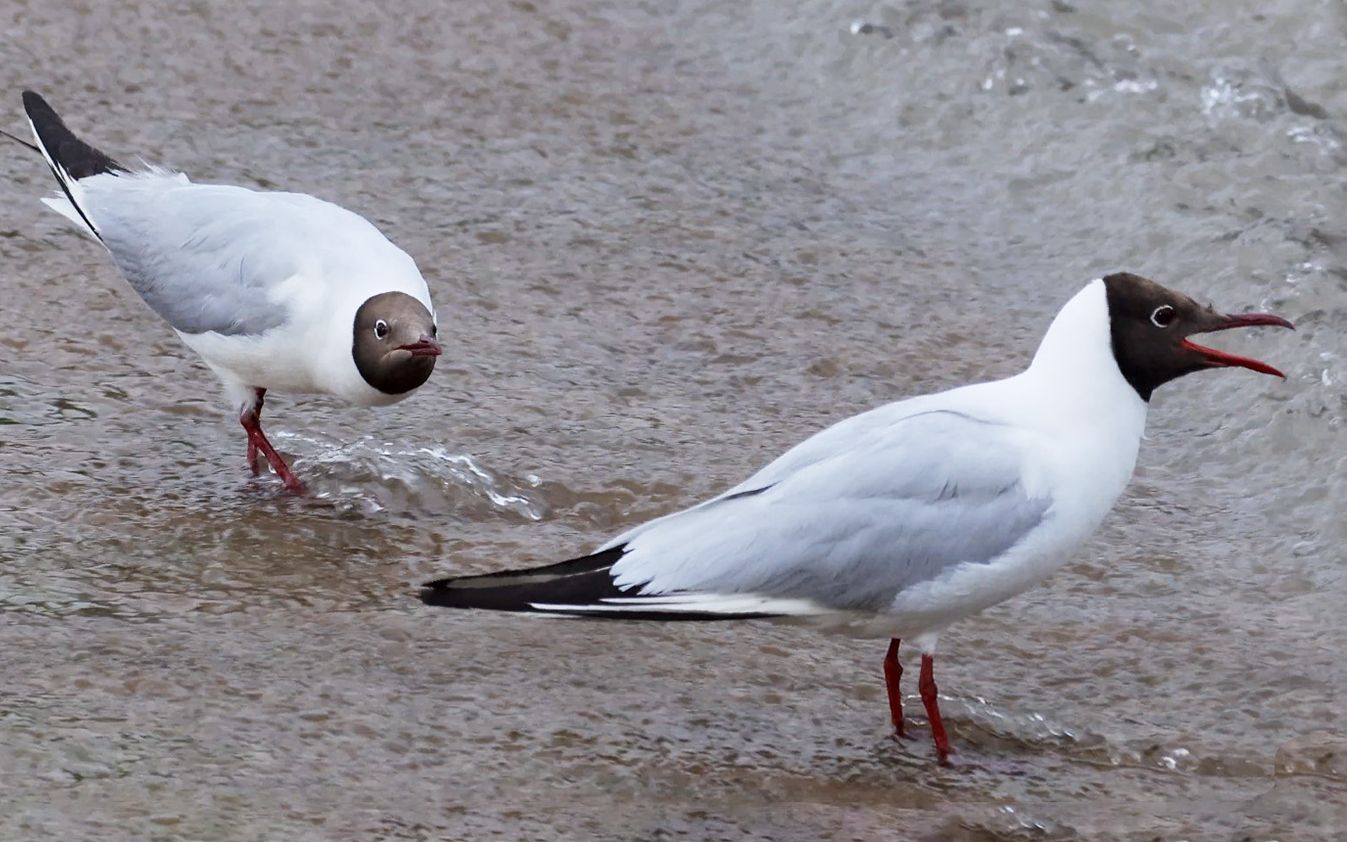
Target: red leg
{"points": [[893, 671], [251, 419], [256, 412], [928, 697]]}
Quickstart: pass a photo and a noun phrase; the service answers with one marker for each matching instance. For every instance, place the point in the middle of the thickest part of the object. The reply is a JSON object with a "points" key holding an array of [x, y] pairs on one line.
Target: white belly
{"points": [[266, 361], [276, 362]]}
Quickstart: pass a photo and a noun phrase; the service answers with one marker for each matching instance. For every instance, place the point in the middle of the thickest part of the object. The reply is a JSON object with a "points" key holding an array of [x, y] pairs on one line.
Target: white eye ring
{"points": [[1163, 316], [380, 329]]}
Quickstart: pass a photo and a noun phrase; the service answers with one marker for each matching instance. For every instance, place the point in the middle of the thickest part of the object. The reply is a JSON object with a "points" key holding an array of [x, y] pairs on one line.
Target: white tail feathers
{"points": [[62, 205], [691, 603]]}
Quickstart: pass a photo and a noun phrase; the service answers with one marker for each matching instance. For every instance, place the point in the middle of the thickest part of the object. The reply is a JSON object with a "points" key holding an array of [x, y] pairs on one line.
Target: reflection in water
{"points": [[668, 241]]}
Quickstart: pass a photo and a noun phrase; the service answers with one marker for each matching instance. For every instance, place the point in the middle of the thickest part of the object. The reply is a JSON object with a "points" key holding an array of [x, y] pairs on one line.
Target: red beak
{"points": [[423, 347], [1220, 359]]}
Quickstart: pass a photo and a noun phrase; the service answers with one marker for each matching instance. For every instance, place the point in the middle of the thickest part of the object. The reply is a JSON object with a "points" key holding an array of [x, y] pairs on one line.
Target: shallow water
{"points": [[665, 243]]}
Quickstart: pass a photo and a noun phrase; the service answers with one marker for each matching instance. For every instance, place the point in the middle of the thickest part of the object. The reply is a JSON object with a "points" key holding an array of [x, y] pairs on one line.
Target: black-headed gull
{"points": [[275, 291], [899, 521]]}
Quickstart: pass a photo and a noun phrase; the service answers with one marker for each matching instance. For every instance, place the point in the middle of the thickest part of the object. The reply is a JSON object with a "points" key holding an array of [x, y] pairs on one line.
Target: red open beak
{"points": [[1221, 359], [423, 347]]}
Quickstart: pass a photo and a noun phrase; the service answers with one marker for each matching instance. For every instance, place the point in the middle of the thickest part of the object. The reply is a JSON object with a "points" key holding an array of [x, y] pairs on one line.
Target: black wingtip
{"points": [[34, 103], [575, 582], [77, 158], [437, 592], [582, 585]]}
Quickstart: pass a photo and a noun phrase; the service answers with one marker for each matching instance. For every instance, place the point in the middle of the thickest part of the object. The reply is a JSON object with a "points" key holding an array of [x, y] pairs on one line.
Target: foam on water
{"points": [[374, 474]]}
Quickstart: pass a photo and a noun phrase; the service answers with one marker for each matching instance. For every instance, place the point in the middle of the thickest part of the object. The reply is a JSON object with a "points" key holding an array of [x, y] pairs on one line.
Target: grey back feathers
{"points": [[851, 531], [201, 265], [211, 257], [843, 524], [208, 258]]}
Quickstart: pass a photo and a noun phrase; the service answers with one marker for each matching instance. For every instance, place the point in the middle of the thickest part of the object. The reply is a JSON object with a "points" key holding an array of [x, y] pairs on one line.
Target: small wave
{"points": [[378, 476], [1028, 729], [1232, 94]]}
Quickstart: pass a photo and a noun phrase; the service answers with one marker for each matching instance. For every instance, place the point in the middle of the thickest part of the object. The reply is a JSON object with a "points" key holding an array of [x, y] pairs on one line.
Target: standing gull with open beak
{"points": [[275, 291], [902, 520]]}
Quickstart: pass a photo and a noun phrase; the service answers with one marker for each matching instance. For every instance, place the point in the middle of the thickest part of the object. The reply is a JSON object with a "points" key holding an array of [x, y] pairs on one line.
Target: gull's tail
{"points": [[584, 587], [70, 159]]}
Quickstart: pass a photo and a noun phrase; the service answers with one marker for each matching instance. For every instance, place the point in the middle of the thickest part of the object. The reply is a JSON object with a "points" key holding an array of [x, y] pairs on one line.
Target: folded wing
{"points": [[212, 258], [845, 530]]}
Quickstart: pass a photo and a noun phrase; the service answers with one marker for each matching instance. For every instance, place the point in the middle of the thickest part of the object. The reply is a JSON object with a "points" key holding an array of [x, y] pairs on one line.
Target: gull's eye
{"points": [[381, 328], [1163, 316], [434, 330]]}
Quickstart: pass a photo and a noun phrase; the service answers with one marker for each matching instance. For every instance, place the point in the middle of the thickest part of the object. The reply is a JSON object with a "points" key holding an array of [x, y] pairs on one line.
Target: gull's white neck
{"points": [[1074, 371]]}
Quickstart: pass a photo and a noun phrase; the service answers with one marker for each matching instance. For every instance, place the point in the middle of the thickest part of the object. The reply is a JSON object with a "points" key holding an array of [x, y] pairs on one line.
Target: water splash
{"points": [[1240, 95], [378, 475]]}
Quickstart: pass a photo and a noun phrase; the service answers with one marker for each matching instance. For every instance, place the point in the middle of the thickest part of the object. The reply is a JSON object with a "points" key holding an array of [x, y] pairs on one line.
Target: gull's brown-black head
{"points": [[1150, 326], [394, 346]]}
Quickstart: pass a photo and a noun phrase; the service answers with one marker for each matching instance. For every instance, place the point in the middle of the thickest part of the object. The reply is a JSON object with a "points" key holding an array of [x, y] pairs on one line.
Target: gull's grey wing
{"points": [[895, 507], [871, 429], [204, 257], [214, 258]]}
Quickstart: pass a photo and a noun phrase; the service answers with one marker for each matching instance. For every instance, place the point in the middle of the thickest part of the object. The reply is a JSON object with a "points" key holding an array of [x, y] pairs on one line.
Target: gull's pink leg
{"points": [[256, 412], [928, 697], [893, 671], [251, 419]]}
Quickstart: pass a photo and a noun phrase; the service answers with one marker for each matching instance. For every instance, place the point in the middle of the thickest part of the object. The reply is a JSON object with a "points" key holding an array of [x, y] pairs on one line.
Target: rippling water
{"points": [[666, 241]]}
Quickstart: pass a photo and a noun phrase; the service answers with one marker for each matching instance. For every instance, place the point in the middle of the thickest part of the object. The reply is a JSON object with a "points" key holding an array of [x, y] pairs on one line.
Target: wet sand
{"points": [[665, 244]]}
